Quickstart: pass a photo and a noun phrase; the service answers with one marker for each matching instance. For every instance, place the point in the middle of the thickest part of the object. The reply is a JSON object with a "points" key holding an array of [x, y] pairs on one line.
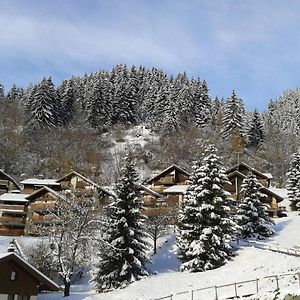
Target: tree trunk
{"points": [[155, 243], [67, 283]]}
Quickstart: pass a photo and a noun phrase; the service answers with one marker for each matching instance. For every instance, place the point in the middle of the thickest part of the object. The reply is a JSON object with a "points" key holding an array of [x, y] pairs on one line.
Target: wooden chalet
{"points": [[13, 213], [19, 280], [33, 184], [41, 202], [153, 203], [263, 178], [174, 194], [236, 177], [173, 175], [81, 185], [7, 183]]}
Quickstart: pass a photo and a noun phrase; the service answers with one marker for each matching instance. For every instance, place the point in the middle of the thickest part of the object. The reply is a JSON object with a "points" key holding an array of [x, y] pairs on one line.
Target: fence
{"points": [[233, 290], [289, 251]]}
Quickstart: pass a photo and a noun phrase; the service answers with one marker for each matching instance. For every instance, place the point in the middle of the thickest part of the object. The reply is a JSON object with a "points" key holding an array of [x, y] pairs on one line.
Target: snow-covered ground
{"points": [[249, 263]]}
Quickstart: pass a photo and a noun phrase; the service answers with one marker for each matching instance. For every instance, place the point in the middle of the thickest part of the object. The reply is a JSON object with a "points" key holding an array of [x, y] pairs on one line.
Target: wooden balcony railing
{"points": [[11, 232], [12, 207], [12, 220], [167, 179]]}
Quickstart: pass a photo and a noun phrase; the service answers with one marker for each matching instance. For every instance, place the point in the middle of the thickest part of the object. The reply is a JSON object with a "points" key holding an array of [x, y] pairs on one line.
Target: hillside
{"points": [[249, 263]]}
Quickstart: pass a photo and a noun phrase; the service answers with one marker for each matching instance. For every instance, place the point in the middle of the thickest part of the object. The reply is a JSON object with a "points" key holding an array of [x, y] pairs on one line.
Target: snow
{"points": [[14, 197], [180, 189], [249, 263], [41, 182]]}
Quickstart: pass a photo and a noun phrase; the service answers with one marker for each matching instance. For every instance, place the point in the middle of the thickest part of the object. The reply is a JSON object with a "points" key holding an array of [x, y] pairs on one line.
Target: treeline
{"points": [[42, 120]]}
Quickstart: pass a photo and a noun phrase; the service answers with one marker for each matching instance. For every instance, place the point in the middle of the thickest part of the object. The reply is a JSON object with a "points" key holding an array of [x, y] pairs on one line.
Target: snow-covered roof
{"points": [[44, 190], [74, 173], [180, 189], [9, 178], [149, 191], [279, 191], [237, 166], [14, 197], [35, 181], [269, 175], [47, 282], [167, 170]]}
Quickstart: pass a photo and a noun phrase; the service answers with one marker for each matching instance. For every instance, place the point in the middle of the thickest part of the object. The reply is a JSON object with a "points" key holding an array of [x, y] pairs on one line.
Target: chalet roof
{"points": [[46, 283], [168, 170], [74, 173], [14, 197], [236, 174], [267, 191], [176, 189], [149, 191], [9, 178], [42, 191], [254, 171], [41, 182]]}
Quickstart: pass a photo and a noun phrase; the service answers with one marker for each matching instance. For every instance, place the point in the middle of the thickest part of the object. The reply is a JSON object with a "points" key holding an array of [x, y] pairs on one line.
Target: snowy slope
{"points": [[249, 263]]}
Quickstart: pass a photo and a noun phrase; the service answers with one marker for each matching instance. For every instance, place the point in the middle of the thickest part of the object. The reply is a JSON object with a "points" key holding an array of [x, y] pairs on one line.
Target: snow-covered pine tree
{"points": [[256, 132], [1, 91], [67, 99], [201, 104], [99, 108], [205, 226], [251, 215], [43, 106], [233, 116], [123, 249], [293, 182]]}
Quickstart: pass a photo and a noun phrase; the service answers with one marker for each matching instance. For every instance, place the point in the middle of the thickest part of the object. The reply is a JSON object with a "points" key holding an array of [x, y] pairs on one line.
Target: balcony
{"points": [[13, 220], [11, 232], [12, 207], [167, 180]]}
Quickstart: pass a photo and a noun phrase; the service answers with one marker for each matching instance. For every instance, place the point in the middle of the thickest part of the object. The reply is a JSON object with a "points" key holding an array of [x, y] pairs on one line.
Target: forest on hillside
{"points": [[47, 130]]}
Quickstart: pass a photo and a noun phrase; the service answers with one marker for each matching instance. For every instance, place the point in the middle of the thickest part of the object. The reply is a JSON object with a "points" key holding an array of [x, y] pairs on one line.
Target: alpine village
{"points": [[117, 177]]}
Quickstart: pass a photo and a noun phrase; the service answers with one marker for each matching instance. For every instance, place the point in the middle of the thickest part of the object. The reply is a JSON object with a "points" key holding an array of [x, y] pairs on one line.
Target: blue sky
{"points": [[251, 46]]}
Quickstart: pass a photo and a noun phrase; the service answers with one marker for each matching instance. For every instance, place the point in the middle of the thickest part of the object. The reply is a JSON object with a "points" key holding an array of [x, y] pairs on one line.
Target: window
{"points": [[13, 275], [11, 297]]}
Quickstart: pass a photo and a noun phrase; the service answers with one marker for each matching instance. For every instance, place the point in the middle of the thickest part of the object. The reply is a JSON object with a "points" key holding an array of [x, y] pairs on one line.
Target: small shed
{"points": [[20, 280]]}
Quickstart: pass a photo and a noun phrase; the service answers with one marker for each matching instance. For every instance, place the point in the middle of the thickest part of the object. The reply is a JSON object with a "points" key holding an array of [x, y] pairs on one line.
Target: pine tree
{"points": [[99, 108], [123, 255], [251, 215], [233, 117], [293, 182], [67, 99], [43, 106], [205, 226], [201, 105], [256, 132], [1, 91]]}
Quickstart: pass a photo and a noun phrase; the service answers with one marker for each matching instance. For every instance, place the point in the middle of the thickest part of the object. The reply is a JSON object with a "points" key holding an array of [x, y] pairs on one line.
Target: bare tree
{"points": [[70, 234]]}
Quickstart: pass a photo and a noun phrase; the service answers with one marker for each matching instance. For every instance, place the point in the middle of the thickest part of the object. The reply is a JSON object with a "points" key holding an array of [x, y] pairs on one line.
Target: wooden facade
{"points": [[13, 213], [31, 185], [238, 173], [173, 175], [242, 168], [20, 280], [82, 186]]}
